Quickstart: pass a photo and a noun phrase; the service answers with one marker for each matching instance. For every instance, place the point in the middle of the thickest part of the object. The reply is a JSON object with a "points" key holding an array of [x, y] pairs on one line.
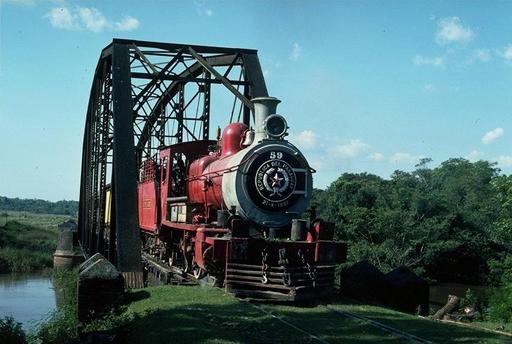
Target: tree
{"points": [[439, 221]]}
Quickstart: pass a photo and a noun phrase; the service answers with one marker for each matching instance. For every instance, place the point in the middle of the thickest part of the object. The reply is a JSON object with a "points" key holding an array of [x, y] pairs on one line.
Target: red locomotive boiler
{"points": [[232, 209]]}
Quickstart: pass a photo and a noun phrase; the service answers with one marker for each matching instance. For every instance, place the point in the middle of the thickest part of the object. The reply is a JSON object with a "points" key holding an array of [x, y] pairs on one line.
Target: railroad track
{"points": [[386, 328], [376, 324], [166, 274]]}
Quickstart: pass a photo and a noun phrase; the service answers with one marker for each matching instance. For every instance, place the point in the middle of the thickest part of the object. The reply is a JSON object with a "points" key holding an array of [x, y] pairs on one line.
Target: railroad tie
{"points": [[287, 323], [381, 326]]}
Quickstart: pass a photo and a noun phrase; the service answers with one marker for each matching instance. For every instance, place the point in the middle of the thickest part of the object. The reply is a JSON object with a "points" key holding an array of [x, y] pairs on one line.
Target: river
{"points": [[26, 297]]}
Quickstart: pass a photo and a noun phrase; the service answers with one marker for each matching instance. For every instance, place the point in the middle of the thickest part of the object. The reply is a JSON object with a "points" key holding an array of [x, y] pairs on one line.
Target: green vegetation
{"points": [[61, 325], [27, 241], [206, 315], [11, 331], [451, 223], [39, 206]]}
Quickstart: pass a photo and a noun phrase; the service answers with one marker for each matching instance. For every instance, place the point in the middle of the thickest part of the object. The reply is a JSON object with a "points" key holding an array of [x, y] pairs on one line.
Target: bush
{"points": [[500, 271], [500, 304], [11, 331], [61, 325], [477, 301], [22, 260]]}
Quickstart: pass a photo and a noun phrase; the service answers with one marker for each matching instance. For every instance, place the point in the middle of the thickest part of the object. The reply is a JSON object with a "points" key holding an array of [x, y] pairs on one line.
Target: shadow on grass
{"points": [[137, 296], [200, 315], [242, 323], [428, 329]]}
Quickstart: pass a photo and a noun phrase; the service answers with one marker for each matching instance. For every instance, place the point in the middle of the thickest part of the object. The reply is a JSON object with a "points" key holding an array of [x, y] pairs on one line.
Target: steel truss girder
{"points": [[141, 89]]}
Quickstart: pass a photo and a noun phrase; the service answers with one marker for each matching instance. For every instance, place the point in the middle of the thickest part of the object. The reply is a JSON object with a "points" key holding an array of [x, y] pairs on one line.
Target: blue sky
{"points": [[366, 86]]}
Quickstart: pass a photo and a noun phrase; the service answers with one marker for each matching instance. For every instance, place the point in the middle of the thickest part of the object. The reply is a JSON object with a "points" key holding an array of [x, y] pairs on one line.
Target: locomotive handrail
{"points": [[229, 169]]}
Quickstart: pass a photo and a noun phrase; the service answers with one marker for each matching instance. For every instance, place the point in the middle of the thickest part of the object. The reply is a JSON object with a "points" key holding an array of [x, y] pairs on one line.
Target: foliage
{"points": [[477, 301], [501, 271], [25, 247], [61, 325], [500, 300], [39, 206], [21, 260], [500, 304], [11, 331], [450, 223]]}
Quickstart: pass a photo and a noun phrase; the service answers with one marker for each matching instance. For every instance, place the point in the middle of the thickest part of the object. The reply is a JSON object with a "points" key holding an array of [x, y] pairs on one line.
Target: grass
{"points": [[205, 315], [494, 325], [60, 326], [27, 241], [432, 330]]}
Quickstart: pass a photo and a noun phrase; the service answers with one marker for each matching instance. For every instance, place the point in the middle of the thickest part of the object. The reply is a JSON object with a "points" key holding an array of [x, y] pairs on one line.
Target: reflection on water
{"points": [[26, 297]]}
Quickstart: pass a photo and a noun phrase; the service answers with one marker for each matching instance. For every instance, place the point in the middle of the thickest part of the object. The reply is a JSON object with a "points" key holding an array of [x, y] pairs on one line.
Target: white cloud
{"points": [[306, 139], [435, 61], [480, 55], [87, 18], [506, 53], [451, 30], [349, 150], [377, 156], [202, 9], [505, 160], [474, 155], [492, 135], [62, 18], [127, 24], [296, 51], [402, 157], [92, 19]]}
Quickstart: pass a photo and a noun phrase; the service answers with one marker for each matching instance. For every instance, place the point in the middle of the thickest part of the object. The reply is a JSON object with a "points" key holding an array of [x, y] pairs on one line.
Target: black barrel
{"points": [[222, 217], [299, 230]]}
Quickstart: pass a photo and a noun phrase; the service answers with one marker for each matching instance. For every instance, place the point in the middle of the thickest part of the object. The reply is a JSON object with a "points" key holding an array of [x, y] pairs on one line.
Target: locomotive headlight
{"points": [[276, 126]]}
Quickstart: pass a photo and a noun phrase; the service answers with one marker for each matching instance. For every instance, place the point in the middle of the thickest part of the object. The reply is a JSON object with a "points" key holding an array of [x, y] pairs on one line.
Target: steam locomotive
{"points": [[232, 210]]}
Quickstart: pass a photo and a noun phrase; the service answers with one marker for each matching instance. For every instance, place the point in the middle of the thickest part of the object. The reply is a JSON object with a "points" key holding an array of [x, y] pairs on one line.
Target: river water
{"points": [[26, 297]]}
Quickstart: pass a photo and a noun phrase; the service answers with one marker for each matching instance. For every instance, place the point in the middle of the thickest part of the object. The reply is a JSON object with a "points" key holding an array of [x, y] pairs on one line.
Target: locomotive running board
{"points": [[290, 284]]}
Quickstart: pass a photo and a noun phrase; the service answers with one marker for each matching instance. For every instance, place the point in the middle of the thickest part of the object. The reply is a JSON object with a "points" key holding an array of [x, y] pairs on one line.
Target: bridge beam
{"points": [[125, 171]]}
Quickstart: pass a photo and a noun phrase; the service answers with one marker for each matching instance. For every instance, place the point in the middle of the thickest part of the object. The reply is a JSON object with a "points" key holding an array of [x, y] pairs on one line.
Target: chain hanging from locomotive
{"points": [[232, 209]]}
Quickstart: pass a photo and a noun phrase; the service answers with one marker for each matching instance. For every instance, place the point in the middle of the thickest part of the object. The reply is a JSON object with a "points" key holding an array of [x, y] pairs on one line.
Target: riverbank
{"points": [[27, 240], [203, 314], [180, 314]]}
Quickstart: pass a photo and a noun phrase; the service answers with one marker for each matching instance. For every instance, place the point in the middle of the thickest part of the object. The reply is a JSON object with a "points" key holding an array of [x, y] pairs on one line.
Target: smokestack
{"points": [[263, 107]]}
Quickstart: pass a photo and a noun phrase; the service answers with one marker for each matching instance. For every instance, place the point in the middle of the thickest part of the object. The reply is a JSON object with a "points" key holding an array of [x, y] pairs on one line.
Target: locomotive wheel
{"points": [[173, 259], [198, 272], [187, 263]]}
